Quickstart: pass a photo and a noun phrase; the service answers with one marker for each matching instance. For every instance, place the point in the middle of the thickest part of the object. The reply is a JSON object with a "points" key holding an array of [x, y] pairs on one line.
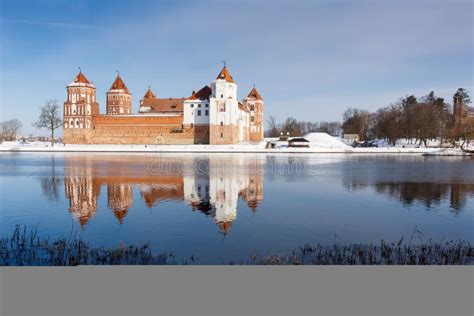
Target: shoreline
{"points": [[26, 248], [211, 149]]}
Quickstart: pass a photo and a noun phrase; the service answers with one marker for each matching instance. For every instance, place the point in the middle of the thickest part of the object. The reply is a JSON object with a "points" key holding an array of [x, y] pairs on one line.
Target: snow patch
{"points": [[324, 140], [448, 152]]}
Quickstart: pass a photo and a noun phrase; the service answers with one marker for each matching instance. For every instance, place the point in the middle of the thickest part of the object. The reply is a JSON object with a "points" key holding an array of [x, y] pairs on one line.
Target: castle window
{"points": [[222, 108], [199, 105], [222, 96], [207, 112], [77, 123], [192, 105], [222, 123], [252, 119], [222, 135], [199, 112], [252, 107], [192, 125], [207, 105]]}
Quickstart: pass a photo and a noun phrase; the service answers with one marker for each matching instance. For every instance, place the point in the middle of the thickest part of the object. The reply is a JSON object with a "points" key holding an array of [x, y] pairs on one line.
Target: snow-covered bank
{"points": [[448, 152], [243, 148]]}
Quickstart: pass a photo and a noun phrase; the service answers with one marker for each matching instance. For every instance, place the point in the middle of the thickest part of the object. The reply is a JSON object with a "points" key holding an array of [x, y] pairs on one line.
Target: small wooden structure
{"points": [[298, 142]]}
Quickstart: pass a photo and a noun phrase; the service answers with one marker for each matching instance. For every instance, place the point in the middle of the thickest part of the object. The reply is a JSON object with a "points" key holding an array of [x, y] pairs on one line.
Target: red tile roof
{"points": [[164, 105], [81, 78], [254, 94], [224, 74], [224, 226], [202, 94], [81, 81], [149, 94], [119, 85]]}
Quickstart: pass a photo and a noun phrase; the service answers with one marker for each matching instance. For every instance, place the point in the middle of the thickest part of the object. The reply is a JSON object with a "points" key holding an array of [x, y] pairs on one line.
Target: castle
{"points": [[212, 115]]}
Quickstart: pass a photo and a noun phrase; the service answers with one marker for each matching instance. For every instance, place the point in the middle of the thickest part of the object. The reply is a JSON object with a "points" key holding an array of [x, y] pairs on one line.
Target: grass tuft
{"points": [[25, 248]]}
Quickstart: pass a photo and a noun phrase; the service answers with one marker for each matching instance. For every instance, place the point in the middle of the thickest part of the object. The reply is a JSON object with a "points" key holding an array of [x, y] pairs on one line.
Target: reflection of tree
{"points": [[425, 193], [458, 196], [50, 185], [428, 194]]}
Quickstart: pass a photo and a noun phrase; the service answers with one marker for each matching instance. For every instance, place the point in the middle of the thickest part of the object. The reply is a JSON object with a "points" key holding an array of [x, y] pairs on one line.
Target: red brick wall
{"points": [[220, 135], [137, 129]]}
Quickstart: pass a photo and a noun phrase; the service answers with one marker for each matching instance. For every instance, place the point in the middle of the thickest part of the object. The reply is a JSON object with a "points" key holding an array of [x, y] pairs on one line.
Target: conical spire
{"points": [[81, 81], [225, 75], [149, 94], [224, 227], [120, 214], [254, 94], [119, 85], [80, 78]]}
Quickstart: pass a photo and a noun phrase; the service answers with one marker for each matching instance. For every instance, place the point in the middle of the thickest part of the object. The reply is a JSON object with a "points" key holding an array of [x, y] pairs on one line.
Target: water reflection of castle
{"points": [[206, 184]]}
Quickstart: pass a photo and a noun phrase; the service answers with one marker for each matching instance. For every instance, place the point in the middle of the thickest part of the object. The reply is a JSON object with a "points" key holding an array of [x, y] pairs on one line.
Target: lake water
{"points": [[222, 207]]}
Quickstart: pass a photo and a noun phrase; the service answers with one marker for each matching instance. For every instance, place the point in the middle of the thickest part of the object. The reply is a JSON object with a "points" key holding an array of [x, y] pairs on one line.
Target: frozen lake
{"points": [[222, 207]]}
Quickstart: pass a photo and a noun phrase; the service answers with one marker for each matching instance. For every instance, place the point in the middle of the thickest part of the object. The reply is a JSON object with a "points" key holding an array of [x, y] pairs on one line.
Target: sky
{"points": [[310, 60]]}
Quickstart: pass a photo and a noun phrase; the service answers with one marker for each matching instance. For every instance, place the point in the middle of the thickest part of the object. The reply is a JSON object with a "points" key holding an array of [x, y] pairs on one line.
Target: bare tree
{"points": [[50, 118], [272, 127], [357, 121], [292, 126], [10, 129], [387, 123]]}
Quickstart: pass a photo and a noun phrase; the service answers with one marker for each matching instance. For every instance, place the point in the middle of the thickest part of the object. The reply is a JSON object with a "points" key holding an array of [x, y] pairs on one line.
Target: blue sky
{"points": [[309, 59]]}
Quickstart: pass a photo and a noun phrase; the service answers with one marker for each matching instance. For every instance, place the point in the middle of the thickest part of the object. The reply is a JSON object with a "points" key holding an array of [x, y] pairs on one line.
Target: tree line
{"points": [[293, 127], [411, 118], [49, 118]]}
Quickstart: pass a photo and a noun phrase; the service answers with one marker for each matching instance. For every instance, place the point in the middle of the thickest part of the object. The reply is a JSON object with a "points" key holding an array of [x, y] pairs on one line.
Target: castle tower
{"points": [[223, 104], [254, 103], [120, 199], [146, 100], [79, 107], [81, 188], [119, 99]]}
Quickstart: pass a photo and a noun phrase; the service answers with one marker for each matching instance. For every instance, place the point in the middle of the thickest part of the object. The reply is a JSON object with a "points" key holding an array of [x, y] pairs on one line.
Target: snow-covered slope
{"points": [[323, 140]]}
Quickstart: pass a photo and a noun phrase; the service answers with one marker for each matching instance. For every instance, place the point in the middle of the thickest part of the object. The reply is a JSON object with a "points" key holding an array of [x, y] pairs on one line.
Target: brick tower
{"points": [[119, 99], [254, 102], [223, 104], [79, 107]]}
